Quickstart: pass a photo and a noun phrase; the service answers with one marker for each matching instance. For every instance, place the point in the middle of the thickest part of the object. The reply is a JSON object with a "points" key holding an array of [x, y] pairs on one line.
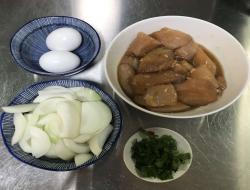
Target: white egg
{"points": [[59, 61], [64, 39]]}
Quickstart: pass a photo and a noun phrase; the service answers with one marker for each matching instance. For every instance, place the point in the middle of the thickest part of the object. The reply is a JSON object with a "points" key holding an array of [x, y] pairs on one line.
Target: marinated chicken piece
{"points": [[201, 58], [142, 44], [130, 60], [140, 100], [167, 71], [202, 72], [141, 82], [125, 74], [139, 90], [161, 95], [222, 84], [174, 108], [158, 59], [178, 68], [188, 51], [186, 65], [196, 92], [172, 39], [182, 67]]}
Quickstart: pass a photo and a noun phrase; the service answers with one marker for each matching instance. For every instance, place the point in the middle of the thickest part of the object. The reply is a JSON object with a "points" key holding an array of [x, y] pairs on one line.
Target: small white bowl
{"points": [[223, 45], [182, 145]]}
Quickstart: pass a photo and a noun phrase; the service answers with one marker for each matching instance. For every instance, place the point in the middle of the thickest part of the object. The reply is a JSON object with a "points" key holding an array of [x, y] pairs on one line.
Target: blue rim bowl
{"points": [[26, 96], [29, 43]]}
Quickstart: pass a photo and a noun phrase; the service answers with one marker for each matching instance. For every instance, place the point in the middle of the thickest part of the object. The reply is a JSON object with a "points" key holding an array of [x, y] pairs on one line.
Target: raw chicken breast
{"points": [[130, 60], [202, 72], [172, 39], [142, 44], [158, 59], [222, 84], [187, 65], [201, 58], [196, 92], [188, 51], [125, 74], [182, 67], [174, 108], [141, 82], [140, 100], [161, 95]]}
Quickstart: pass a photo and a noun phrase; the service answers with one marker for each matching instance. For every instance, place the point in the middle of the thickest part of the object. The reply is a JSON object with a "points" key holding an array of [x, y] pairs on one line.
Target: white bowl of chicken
{"points": [[176, 67]]}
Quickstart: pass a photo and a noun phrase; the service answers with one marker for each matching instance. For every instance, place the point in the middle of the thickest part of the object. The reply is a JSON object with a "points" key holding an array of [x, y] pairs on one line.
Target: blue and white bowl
{"points": [[29, 43], [26, 96]]}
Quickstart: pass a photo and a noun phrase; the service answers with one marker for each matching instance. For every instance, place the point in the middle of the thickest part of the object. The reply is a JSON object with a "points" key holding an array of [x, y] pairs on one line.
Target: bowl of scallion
{"points": [[157, 155]]}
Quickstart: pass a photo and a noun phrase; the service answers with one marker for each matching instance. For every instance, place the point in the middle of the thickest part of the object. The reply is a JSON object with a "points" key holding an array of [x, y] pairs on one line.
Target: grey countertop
{"points": [[220, 142]]}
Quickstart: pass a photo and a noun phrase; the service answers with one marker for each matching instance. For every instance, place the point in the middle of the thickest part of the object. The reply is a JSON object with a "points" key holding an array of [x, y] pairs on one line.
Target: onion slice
{"points": [[62, 151], [96, 143], [70, 116], [20, 125], [40, 143], [95, 117], [82, 138], [48, 95], [82, 158], [77, 148], [86, 94], [22, 108]]}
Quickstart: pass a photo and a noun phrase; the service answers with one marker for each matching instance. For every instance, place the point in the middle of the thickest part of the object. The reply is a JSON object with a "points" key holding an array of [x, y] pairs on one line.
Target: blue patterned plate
{"points": [[26, 96], [29, 43]]}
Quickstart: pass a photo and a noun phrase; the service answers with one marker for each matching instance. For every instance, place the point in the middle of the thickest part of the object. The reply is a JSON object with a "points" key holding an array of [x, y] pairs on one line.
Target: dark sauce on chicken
{"points": [[167, 71]]}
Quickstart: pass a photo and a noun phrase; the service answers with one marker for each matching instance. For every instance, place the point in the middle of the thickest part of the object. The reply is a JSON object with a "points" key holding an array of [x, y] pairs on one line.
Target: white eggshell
{"points": [[64, 39], [59, 61]]}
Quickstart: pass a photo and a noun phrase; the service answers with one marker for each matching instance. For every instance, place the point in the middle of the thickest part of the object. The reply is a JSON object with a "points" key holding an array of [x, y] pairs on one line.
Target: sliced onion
{"points": [[82, 138], [52, 118], [96, 143], [20, 125], [19, 108], [70, 116], [77, 148], [52, 152], [48, 106], [63, 152], [48, 95], [53, 126], [40, 143], [60, 125], [25, 146], [55, 89], [95, 117], [82, 158], [86, 94], [32, 118], [25, 142]]}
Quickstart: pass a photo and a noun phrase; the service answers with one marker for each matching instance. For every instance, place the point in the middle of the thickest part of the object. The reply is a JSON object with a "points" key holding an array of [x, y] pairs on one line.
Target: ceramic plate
{"points": [[182, 145]]}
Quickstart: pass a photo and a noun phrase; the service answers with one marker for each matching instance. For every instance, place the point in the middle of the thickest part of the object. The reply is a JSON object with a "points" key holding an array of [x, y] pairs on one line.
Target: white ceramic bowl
{"points": [[223, 45]]}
